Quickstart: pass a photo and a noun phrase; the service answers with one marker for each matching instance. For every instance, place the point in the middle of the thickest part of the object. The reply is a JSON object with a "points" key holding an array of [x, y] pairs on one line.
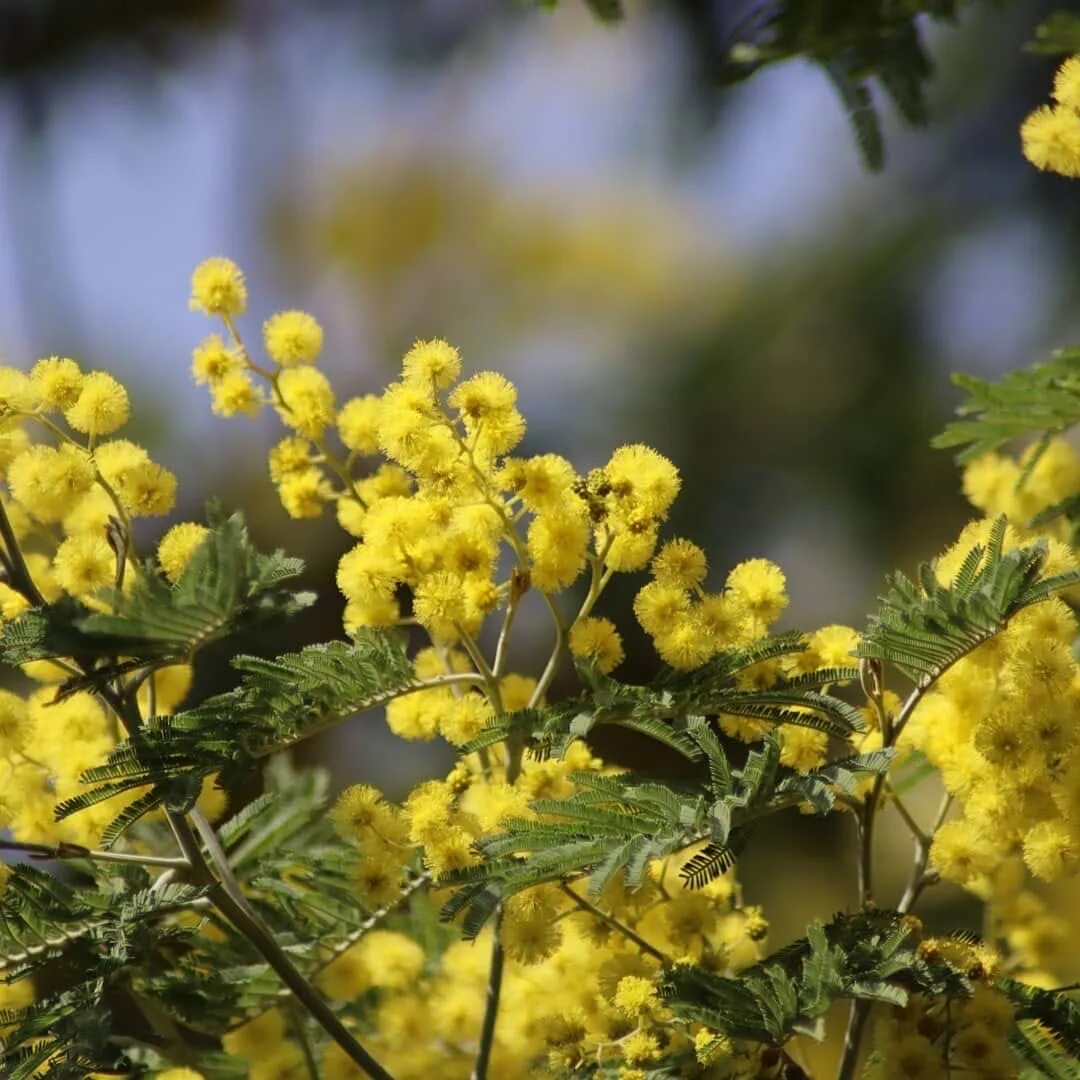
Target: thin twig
{"points": [[296, 1023], [21, 580], [891, 728], [226, 895], [491, 1008], [66, 850], [919, 878], [618, 927]]}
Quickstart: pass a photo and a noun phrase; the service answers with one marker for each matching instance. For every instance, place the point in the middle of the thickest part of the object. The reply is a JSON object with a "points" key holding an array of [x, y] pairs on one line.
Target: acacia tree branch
{"points": [[68, 850], [227, 896]]}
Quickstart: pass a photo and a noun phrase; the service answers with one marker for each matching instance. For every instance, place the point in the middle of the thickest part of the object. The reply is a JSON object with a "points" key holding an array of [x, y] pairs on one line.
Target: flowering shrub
{"points": [[537, 910]]}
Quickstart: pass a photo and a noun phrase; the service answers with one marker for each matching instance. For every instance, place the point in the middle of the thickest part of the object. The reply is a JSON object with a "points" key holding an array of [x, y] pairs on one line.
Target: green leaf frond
{"points": [[672, 709], [277, 704], [1044, 1057], [1057, 35], [871, 955], [227, 586], [924, 629], [1057, 1013], [616, 824], [1041, 400]]}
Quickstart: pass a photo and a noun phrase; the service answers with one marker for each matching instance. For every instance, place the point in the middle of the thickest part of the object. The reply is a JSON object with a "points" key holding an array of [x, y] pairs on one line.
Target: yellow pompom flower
{"points": [[394, 960], [18, 392], [12, 604], [557, 545], [416, 716], [257, 1038], [84, 564], [307, 401], [660, 608], [759, 585], [147, 490], [516, 691], [361, 811], [803, 748], [1050, 849], [48, 481], [101, 407], [293, 337], [378, 878], [439, 603], [465, 717], [725, 621], [1050, 138], [635, 996], [291, 455], [178, 545], [57, 381], [686, 645], [235, 394], [597, 639], [304, 494], [630, 550], [529, 931], [432, 364], [182, 1073], [833, 646], [212, 360], [960, 853], [358, 424], [217, 288], [171, 685], [640, 1047], [12, 443], [543, 483], [644, 479], [1067, 83], [680, 563], [117, 457]]}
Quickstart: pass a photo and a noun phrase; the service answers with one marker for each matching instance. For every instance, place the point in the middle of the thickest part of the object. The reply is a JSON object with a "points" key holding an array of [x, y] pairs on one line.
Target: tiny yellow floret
{"points": [[217, 288], [1067, 83], [1050, 138], [58, 381], [433, 363], [101, 407], [597, 639], [84, 564], [212, 360], [293, 337], [178, 545]]}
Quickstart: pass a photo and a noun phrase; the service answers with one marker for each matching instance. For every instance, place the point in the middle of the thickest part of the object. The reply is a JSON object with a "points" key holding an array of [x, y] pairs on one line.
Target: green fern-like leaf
{"points": [[1041, 400], [924, 629]]}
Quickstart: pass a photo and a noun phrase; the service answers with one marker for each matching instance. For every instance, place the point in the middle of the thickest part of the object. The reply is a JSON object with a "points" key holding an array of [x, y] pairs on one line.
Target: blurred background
{"points": [[651, 257]]}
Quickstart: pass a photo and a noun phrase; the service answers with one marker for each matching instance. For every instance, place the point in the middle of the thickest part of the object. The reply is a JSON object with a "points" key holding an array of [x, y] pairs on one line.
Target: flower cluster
{"points": [[1001, 725], [938, 1037], [1050, 136], [72, 493], [452, 530], [575, 989]]}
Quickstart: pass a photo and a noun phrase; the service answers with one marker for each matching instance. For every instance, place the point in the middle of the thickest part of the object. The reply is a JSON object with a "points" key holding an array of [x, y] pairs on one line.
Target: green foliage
{"points": [[83, 940], [298, 875], [227, 587], [870, 956], [1058, 34], [924, 628], [278, 703], [663, 709], [863, 46], [1041, 400], [616, 825]]}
